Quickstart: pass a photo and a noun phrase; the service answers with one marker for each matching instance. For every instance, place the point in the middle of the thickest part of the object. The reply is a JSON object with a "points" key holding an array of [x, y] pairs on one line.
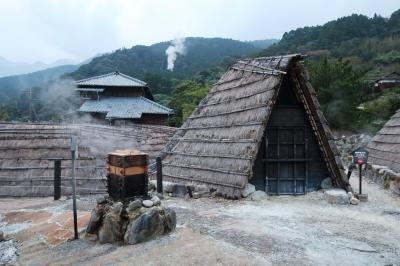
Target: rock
{"points": [[201, 188], [201, 194], [168, 187], [157, 221], [362, 197], [336, 196], [152, 185], [350, 195], [326, 183], [110, 231], [1, 236], [160, 196], [258, 195], [170, 220], [133, 205], [156, 200], [134, 209], [148, 203], [248, 189], [179, 190], [116, 208], [95, 219], [354, 201], [101, 200]]}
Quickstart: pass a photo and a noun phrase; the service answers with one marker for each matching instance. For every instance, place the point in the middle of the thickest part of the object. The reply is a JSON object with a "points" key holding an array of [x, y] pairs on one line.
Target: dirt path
{"points": [[301, 230]]}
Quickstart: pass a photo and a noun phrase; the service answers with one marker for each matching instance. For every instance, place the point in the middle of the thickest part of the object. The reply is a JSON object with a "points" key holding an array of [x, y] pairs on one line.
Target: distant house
{"points": [[387, 82], [120, 99]]}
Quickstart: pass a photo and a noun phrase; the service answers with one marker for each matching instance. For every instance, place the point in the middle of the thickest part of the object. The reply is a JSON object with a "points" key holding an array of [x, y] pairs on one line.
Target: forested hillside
{"points": [[204, 59], [12, 86], [345, 57]]}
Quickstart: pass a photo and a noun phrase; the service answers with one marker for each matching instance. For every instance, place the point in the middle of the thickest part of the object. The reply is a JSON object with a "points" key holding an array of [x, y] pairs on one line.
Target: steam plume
{"points": [[177, 47]]}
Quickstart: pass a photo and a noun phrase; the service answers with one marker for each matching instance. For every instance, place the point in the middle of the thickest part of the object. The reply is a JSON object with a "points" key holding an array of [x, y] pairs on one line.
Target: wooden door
{"points": [[286, 160]]}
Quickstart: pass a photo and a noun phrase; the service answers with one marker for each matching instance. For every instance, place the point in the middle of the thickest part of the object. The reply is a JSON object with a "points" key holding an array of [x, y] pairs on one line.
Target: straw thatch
{"points": [[219, 142], [385, 146], [26, 152]]}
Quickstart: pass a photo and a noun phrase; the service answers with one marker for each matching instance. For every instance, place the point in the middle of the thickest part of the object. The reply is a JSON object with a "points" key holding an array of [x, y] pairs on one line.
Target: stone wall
{"points": [[347, 144], [384, 176]]}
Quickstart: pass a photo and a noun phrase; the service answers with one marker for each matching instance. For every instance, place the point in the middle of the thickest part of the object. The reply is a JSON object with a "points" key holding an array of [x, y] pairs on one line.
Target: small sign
{"points": [[74, 146], [360, 156]]}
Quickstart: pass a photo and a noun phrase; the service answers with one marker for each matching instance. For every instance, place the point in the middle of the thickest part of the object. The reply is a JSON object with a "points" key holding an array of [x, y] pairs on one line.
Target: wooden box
{"points": [[127, 176]]}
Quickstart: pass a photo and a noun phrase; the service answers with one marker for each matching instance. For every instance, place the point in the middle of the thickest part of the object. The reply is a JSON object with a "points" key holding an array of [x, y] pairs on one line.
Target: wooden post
{"points": [[74, 155], [159, 175], [359, 172], [57, 179]]}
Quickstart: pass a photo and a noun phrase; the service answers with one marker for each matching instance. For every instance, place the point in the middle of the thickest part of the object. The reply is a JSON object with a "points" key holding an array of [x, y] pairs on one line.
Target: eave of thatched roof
{"points": [[218, 143], [385, 146]]}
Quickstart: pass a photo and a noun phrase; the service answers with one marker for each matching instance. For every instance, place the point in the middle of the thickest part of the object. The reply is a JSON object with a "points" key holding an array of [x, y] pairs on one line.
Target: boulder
{"points": [[179, 190], [258, 195], [148, 203], [95, 219], [326, 183], [1, 236], [157, 221], [168, 187], [156, 200], [110, 231], [170, 220], [133, 205], [134, 209], [354, 201], [248, 189], [336, 196], [362, 197], [201, 194]]}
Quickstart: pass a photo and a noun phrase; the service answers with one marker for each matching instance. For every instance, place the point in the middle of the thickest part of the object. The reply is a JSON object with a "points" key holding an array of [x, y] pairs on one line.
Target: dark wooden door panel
{"points": [[286, 160]]}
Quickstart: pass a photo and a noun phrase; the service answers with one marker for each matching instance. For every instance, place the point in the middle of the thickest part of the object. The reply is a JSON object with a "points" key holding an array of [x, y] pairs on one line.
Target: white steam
{"points": [[177, 47]]}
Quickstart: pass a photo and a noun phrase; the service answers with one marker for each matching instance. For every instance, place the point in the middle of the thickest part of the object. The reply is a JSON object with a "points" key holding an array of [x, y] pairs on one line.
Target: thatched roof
{"points": [[384, 148], [218, 143]]}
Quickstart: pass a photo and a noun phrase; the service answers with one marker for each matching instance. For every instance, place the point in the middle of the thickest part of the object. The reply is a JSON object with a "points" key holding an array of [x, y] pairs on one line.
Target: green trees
{"points": [[339, 89], [185, 97]]}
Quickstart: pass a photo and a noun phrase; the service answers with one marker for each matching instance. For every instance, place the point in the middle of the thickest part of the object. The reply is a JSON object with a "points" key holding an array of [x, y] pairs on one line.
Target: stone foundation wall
{"points": [[384, 176]]}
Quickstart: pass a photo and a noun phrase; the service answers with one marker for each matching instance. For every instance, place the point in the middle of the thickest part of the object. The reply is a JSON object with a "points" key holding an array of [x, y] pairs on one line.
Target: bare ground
{"points": [[284, 230]]}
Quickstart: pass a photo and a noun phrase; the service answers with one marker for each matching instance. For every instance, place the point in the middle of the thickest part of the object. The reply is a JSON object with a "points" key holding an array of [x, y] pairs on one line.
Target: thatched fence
{"points": [[27, 151]]}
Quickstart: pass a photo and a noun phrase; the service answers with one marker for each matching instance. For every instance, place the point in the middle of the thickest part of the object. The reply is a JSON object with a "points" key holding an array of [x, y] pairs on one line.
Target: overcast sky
{"points": [[48, 30]]}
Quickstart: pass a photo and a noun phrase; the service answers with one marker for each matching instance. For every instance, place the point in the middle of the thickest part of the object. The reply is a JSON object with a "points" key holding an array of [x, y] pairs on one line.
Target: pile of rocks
{"points": [[347, 144], [130, 223]]}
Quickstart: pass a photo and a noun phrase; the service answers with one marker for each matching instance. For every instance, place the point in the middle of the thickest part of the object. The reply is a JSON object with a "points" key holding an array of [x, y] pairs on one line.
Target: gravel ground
{"points": [[284, 230]]}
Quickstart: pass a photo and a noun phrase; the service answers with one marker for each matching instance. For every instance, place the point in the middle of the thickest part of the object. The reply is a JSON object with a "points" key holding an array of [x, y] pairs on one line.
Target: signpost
{"points": [[74, 155], [360, 157]]}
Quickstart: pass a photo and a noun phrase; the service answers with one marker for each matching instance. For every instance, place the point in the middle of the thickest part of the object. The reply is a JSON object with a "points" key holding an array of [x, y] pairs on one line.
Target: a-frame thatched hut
{"points": [[384, 148], [261, 123]]}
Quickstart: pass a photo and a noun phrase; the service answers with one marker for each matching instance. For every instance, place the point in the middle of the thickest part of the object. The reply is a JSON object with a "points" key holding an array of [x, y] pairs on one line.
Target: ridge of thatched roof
{"points": [[218, 143], [385, 146]]}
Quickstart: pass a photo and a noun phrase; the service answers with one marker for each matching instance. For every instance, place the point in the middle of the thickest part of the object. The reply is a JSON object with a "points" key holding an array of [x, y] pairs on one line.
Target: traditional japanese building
{"points": [[116, 98], [260, 124]]}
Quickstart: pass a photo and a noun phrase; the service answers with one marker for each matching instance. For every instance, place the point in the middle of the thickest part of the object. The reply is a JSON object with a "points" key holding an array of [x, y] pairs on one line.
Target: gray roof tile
{"points": [[111, 79], [124, 107]]}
